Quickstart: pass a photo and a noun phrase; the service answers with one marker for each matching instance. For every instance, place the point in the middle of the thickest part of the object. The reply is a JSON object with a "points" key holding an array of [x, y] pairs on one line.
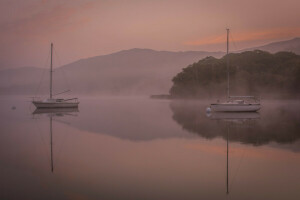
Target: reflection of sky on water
{"points": [[174, 163], [276, 122], [142, 119]]}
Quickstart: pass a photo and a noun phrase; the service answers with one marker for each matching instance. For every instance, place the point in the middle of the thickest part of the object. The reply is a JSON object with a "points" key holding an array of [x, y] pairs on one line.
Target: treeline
{"points": [[251, 73]]}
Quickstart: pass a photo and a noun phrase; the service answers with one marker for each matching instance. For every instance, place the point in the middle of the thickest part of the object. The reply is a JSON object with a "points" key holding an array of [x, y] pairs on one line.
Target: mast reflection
{"points": [[278, 123], [232, 119], [53, 113]]}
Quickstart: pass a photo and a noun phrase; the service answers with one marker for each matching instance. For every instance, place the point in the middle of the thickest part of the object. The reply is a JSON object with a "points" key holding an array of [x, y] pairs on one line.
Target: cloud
{"points": [[50, 16], [27, 26], [262, 35]]}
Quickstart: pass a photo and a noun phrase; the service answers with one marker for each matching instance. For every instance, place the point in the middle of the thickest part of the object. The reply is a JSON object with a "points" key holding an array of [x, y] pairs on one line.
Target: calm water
{"points": [[138, 148]]}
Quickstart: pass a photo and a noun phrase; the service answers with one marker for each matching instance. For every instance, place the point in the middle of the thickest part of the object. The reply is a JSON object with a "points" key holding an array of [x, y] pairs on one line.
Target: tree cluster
{"points": [[251, 73]]}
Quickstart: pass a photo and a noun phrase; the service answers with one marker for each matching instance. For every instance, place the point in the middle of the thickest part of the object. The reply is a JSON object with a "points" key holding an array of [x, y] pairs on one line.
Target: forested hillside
{"points": [[251, 73]]}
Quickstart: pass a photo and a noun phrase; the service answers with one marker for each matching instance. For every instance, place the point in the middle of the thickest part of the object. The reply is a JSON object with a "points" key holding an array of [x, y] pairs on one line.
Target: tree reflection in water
{"points": [[275, 123]]}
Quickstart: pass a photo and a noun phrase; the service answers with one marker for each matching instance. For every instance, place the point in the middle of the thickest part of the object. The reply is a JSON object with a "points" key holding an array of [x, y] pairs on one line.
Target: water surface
{"points": [[139, 148]]}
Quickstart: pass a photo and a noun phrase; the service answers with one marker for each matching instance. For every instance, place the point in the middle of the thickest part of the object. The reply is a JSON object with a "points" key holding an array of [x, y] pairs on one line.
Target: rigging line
{"points": [[62, 69], [230, 167], [43, 141], [238, 168], [60, 147], [40, 82], [233, 41]]}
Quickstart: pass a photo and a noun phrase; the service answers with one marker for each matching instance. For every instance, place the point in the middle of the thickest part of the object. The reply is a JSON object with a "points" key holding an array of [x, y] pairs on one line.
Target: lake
{"points": [[141, 148]]}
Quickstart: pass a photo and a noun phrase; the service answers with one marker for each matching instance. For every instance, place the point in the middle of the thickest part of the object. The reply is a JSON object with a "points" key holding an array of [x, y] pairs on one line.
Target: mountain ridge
{"points": [[133, 71], [292, 45], [130, 71]]}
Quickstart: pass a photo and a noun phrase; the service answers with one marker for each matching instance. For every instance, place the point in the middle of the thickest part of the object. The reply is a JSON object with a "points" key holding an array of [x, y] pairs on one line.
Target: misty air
{"points": [[150, 99]]}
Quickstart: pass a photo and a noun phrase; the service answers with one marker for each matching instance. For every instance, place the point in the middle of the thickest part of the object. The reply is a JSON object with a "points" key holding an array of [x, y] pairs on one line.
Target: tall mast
{"points": [[51, 72], [227, 62]]}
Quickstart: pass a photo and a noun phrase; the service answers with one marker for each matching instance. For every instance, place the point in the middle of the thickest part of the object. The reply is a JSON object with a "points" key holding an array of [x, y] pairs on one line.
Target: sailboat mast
{"points": [[227, 62], [51, 72]]}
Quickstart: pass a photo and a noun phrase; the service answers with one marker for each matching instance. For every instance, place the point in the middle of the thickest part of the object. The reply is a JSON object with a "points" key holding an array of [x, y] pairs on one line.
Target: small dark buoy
{"points": [[13, 108]]}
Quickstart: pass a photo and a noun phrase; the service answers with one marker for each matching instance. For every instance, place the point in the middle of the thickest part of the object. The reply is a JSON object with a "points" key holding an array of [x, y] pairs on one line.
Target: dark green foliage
{"points": [[251, 72]]}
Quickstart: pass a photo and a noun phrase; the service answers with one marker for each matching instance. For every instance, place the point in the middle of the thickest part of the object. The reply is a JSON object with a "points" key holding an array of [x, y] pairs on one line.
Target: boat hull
{"points": [[235, 107], [55, 110], [40, 104]]}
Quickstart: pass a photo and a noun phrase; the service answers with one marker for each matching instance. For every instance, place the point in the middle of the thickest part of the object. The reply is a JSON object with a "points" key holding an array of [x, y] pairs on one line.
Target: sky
{"points": [[86, 28]]}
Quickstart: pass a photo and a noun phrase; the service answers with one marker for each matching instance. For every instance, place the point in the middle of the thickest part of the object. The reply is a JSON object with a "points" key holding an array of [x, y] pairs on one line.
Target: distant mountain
{"points": [[288, 45], [128, 72]]}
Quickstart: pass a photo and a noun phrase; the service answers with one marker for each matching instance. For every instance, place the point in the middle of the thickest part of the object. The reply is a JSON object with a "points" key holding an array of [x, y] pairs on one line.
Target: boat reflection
{"points": [[53, 113], [278, 123], [56, 111], [232, 119], [233, 116]]}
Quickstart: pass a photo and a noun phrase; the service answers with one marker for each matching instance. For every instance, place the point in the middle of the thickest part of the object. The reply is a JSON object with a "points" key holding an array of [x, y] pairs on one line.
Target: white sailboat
{"points": [[55, 102], [235, 103]]}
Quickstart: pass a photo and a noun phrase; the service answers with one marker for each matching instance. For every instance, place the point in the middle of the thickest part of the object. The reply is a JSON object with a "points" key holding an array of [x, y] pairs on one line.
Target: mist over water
{"points": [[145, 73], [140, 148]]}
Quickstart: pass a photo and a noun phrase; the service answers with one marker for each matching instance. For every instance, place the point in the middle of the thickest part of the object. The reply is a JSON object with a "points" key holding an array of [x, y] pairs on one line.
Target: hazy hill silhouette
{"points": [[292, 45], [128, 72]]}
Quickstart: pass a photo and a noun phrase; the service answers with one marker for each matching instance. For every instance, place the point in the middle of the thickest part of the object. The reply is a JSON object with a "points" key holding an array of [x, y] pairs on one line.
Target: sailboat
{"points": [[55, 102], [235, 103]]}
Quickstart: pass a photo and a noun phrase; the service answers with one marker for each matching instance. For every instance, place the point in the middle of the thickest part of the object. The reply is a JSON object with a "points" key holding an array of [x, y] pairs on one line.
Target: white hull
{"points": [[230, 107], [41, 104], [55, 110]]}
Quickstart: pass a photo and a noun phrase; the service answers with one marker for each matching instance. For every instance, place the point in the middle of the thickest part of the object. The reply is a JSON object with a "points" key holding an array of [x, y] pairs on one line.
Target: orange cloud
{"points": [[248, 36]]}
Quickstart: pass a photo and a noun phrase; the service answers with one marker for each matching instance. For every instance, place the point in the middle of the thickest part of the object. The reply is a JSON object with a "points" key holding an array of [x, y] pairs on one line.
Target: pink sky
{"points": [[86, 28]]}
